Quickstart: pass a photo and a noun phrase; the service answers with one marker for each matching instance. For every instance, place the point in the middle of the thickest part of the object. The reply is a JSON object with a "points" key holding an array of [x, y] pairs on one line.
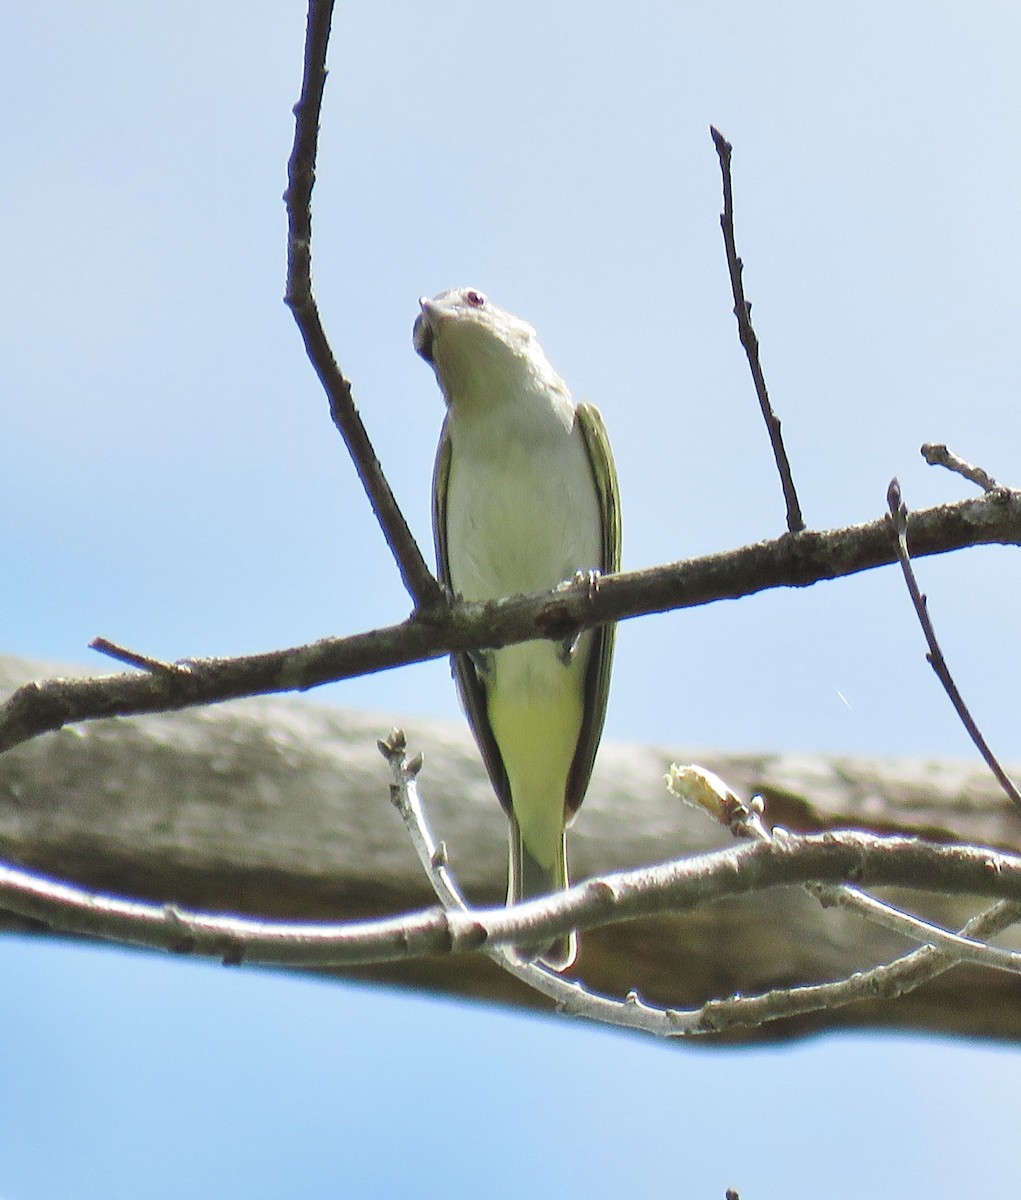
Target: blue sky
{"points": [[171, 480]]}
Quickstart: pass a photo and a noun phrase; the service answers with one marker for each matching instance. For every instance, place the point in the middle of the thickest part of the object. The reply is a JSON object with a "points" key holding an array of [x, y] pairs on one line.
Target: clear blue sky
{"points": [[171, 479]]}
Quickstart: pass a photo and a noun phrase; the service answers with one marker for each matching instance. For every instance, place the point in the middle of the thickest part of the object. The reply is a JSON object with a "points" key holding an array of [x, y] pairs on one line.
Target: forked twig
{"points": [[418, 579], [679, 885], [935, 659], [885, 982], [945, 949], [743, 312], [707, 792], [433, 856]]}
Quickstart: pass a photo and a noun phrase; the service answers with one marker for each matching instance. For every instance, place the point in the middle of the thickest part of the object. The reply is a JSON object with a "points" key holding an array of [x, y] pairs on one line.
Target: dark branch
{"points": [[899, 518], [789, 561], [743, 312], [418, 579]]}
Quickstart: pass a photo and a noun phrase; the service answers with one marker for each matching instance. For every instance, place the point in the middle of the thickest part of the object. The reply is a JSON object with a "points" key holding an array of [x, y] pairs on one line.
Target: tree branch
{"points": [[890, 981], [274, 808], [789, 561], [708, 792], [418, 579], [749, 340], [935, 659], [835, 857], [937, 454]]}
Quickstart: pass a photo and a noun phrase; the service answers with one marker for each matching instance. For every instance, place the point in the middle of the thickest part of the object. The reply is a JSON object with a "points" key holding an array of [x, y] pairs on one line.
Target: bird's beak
{"points": [[425, 327]]}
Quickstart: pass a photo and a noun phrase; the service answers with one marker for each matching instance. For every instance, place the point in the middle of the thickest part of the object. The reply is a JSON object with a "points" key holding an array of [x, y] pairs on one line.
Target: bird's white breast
{"points": [[522, 509]]}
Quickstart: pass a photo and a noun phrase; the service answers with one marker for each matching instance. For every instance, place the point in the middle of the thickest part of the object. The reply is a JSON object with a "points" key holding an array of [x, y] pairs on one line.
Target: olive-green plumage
{"points": [[524, 497]]}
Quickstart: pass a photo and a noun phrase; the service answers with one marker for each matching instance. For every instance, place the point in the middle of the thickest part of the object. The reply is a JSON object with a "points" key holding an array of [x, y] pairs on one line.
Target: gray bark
{"points": [[279, 808]]}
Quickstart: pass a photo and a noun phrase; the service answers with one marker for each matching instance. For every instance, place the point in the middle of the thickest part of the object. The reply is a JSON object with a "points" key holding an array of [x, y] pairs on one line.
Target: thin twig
{"points": [[132, 658], [433, 855], [935, 659], [43, 706], [937, 454], [404, 795], [418, 579], [710, 793], [885, 982], [749, 340], [569, 995]]}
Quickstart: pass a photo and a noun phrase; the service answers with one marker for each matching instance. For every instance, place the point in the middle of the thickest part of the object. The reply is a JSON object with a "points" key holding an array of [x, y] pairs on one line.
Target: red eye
{"points": [[475, 299]]}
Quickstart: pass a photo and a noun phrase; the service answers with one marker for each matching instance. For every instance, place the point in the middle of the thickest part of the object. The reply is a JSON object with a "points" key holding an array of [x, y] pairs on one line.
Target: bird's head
{"points": [[471, 344]]}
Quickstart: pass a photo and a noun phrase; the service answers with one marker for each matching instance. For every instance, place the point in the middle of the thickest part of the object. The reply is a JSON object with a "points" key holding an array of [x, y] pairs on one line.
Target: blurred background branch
{"points": [[278, 808]]}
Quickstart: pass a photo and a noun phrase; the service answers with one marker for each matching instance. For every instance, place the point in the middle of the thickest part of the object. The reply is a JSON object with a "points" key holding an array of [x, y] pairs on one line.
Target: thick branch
{"points": [[278, 808], [789, 561]]}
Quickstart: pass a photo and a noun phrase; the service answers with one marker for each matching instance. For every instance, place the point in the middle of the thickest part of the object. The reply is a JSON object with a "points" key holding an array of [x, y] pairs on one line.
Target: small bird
{"points": [[525, 497]]}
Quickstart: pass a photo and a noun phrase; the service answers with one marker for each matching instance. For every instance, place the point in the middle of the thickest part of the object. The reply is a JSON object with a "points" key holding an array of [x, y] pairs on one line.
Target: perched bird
{"points": [[524, 497]]}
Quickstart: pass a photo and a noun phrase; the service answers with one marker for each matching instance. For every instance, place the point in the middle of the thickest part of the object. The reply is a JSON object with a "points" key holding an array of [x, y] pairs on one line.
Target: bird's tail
{"points": [[529, 879]]}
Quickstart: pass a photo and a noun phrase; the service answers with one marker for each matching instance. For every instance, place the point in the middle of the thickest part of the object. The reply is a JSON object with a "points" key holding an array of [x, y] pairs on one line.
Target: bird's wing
{"points": [[469, 685], [597, 674]]}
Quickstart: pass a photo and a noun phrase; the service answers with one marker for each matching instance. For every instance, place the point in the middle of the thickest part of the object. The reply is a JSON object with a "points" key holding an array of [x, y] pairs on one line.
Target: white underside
{"points": [[522, 516]]}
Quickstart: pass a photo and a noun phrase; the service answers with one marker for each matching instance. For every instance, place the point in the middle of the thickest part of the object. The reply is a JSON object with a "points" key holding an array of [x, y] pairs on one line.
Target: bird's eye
{"points": [[475, 299]]}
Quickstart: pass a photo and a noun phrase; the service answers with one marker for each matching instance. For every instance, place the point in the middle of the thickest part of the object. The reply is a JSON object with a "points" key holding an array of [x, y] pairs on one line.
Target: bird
{"points": [[525, 498]]}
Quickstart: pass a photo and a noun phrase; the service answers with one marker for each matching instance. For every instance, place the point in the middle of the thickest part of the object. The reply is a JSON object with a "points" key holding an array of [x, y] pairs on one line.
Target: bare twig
{"points": [[132, 658], [707, 792], [885, 982], [749, 340], [831, 858], [570, 996], [404, 795], [899, 522], [433, 857], [418, 579], [937, 454], [41, 707], [718, 1016], [710, 793]]}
